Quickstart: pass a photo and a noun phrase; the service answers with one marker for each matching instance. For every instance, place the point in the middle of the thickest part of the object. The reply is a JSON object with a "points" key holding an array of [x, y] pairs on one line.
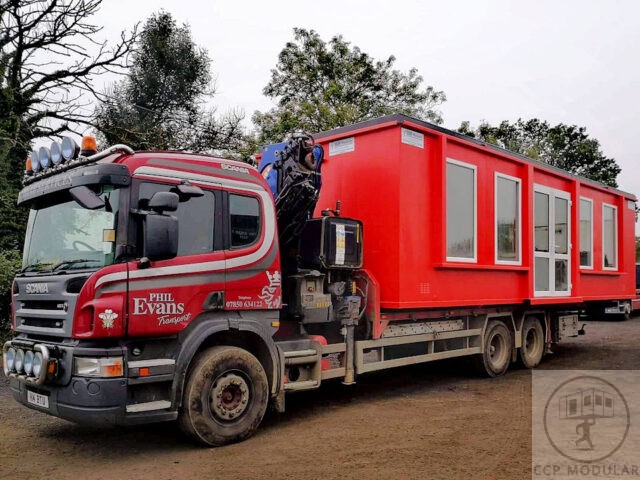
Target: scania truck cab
{"points": [[154, 279]]}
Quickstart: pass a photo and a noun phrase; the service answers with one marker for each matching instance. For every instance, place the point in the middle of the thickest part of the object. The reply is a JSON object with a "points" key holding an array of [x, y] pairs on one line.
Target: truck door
{"points": [[552, 242], [253, 263], [168, 295]]}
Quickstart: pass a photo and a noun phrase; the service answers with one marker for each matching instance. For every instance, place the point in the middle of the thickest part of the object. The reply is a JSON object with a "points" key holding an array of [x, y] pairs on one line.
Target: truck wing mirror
{"points": [[86, 197], [163, 202], [187, 191], [160, 236]]}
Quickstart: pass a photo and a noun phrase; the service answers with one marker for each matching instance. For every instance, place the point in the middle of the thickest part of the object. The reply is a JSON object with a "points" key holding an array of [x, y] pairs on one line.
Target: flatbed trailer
{"points": [[164, 285]]}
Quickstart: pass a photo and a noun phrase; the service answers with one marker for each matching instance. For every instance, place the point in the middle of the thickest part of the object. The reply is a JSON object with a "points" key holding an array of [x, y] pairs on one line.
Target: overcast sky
{"points": [[575, 62]]}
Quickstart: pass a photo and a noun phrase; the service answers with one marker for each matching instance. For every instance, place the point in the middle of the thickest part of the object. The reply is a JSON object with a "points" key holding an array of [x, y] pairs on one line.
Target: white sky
{"points": [[575, 61]]}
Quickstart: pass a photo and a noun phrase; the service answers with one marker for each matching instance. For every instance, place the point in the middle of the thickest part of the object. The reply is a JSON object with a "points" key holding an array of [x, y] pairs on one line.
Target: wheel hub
{"points": [[229, 396], [530, 342], [497, 350]]}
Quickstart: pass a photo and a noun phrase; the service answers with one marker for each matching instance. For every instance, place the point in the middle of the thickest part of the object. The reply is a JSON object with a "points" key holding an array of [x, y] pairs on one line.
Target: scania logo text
{"points": [[37, 288]]}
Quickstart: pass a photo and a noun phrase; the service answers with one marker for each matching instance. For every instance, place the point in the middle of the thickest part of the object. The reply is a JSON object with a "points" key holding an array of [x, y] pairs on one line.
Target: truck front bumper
{"points": [[121, 400], [97, 401], [92, 401]]}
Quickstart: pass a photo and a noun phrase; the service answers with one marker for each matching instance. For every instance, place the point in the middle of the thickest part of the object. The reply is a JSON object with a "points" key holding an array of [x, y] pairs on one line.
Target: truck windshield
{"points": [[64, 235]]}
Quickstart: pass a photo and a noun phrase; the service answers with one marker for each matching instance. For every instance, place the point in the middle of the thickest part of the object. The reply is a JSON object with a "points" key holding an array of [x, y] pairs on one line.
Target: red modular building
{"points": [[450, 221]]}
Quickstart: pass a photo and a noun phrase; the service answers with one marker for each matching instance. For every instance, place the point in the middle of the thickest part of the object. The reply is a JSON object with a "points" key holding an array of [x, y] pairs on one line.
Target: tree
{"points": [[564, 146], [319, 86], [45, 72], [159, 105], [9, 263]]}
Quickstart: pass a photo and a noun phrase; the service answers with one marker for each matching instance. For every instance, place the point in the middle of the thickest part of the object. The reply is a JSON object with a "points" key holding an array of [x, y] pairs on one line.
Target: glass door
{"points": [[551, 242]]}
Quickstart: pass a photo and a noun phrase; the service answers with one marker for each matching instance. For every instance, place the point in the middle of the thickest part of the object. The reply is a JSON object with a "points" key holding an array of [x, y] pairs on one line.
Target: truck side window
{"points": [[244, 215], [195, 219]]}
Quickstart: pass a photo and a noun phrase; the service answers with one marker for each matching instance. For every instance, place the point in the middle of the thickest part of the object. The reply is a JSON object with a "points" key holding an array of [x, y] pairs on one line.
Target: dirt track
{"points": [[430, 421]]}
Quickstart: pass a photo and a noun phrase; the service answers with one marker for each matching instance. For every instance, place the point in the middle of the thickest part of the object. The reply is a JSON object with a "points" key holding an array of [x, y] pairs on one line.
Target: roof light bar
{"points": [[70, 149]]}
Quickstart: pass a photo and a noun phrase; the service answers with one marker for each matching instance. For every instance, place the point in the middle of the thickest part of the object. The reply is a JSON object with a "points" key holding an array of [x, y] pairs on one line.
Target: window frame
{"points": [[591, 249], [518, 219], [261, 218], [474, 168], [135, 221], [615, 237]]}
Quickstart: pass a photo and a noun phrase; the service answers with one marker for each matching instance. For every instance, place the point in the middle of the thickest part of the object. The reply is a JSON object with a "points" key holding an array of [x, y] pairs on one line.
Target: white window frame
{"points": [[615, 235], [518, 220], [591, 249], [553, 193], [475, 213]]}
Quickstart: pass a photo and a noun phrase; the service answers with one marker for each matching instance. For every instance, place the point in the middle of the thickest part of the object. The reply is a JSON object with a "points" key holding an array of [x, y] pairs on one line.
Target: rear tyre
{"points": [[626, 313], [532, 349], [496, 356], [225, 397]]}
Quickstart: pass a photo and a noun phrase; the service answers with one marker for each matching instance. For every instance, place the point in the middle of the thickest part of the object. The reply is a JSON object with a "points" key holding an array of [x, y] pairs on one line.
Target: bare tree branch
{"points": [[50, 56]]}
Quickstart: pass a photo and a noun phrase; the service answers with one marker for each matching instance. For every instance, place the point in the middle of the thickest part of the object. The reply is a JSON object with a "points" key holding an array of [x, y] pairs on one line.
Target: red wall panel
{"points": [[398, 191]]}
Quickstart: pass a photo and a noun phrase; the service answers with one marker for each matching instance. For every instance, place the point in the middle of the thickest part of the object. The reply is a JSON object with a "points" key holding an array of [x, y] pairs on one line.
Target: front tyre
{"points": [[225, 397]]}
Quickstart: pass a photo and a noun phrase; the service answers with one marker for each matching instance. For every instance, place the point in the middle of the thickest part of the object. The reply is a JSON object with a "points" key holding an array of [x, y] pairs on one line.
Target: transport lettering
{"points": [[158, 304]]}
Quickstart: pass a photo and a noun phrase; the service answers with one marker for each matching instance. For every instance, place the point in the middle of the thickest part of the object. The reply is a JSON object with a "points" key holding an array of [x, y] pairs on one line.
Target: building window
{"points": [[609, 237], [586, 233], [507, 208], [244, 219], [461, 211]]}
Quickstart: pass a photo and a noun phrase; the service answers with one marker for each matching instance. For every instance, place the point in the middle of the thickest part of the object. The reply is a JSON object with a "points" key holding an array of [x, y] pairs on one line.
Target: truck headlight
{"points": [[19, 361], [104, 367], [28, 362], [10, 358], [37, 364]]}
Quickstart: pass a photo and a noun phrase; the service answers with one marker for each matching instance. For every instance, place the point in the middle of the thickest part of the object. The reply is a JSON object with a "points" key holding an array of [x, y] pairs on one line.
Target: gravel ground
{"points": [[429, 421]]}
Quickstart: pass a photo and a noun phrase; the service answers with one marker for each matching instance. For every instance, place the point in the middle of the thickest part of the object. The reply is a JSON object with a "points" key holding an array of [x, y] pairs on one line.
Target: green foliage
{"points": [[320, 86], [564, 146], [9, 264], [159, 105]]}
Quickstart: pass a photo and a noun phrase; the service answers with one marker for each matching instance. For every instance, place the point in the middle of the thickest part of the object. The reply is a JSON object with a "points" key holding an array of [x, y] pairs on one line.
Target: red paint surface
{"points": [[398, 191], [171, 307]]}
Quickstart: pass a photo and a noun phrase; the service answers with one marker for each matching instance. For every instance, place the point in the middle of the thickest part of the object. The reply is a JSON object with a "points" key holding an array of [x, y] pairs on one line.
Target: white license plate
{"points": [[612, 310], [37, 399]]}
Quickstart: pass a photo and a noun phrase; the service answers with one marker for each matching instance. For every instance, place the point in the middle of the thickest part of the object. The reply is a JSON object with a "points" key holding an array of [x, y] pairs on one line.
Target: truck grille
{"points": [[42, 313], [49, 313], [45, 305]]}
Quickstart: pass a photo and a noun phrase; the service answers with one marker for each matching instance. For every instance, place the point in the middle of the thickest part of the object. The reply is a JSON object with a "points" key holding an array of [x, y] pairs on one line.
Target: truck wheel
{"points": [[225, 397], [530, 354], [496, 356], [626, 314]]}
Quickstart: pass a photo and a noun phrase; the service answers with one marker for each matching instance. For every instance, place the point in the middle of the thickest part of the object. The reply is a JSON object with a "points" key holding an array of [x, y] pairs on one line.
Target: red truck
{"points": [[164, 285]]}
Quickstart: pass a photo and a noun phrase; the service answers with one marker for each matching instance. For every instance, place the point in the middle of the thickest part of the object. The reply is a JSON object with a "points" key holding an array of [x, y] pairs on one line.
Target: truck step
{"points": [[301, 357], [303, 385], [300, 353], [148, 406]]}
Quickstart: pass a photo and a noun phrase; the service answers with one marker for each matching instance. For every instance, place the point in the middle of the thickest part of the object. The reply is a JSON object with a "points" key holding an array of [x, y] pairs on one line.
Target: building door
{"points": [[552, 242]]}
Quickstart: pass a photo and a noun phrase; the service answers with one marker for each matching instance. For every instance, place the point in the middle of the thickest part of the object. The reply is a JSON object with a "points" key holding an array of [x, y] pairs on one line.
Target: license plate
{"points": [[37, 399], [612, 310]]}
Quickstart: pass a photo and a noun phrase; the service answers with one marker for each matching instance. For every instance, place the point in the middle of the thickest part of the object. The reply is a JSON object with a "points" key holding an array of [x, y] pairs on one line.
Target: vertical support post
{"points": [[528, 200], [574, 210], [349, 358]]}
